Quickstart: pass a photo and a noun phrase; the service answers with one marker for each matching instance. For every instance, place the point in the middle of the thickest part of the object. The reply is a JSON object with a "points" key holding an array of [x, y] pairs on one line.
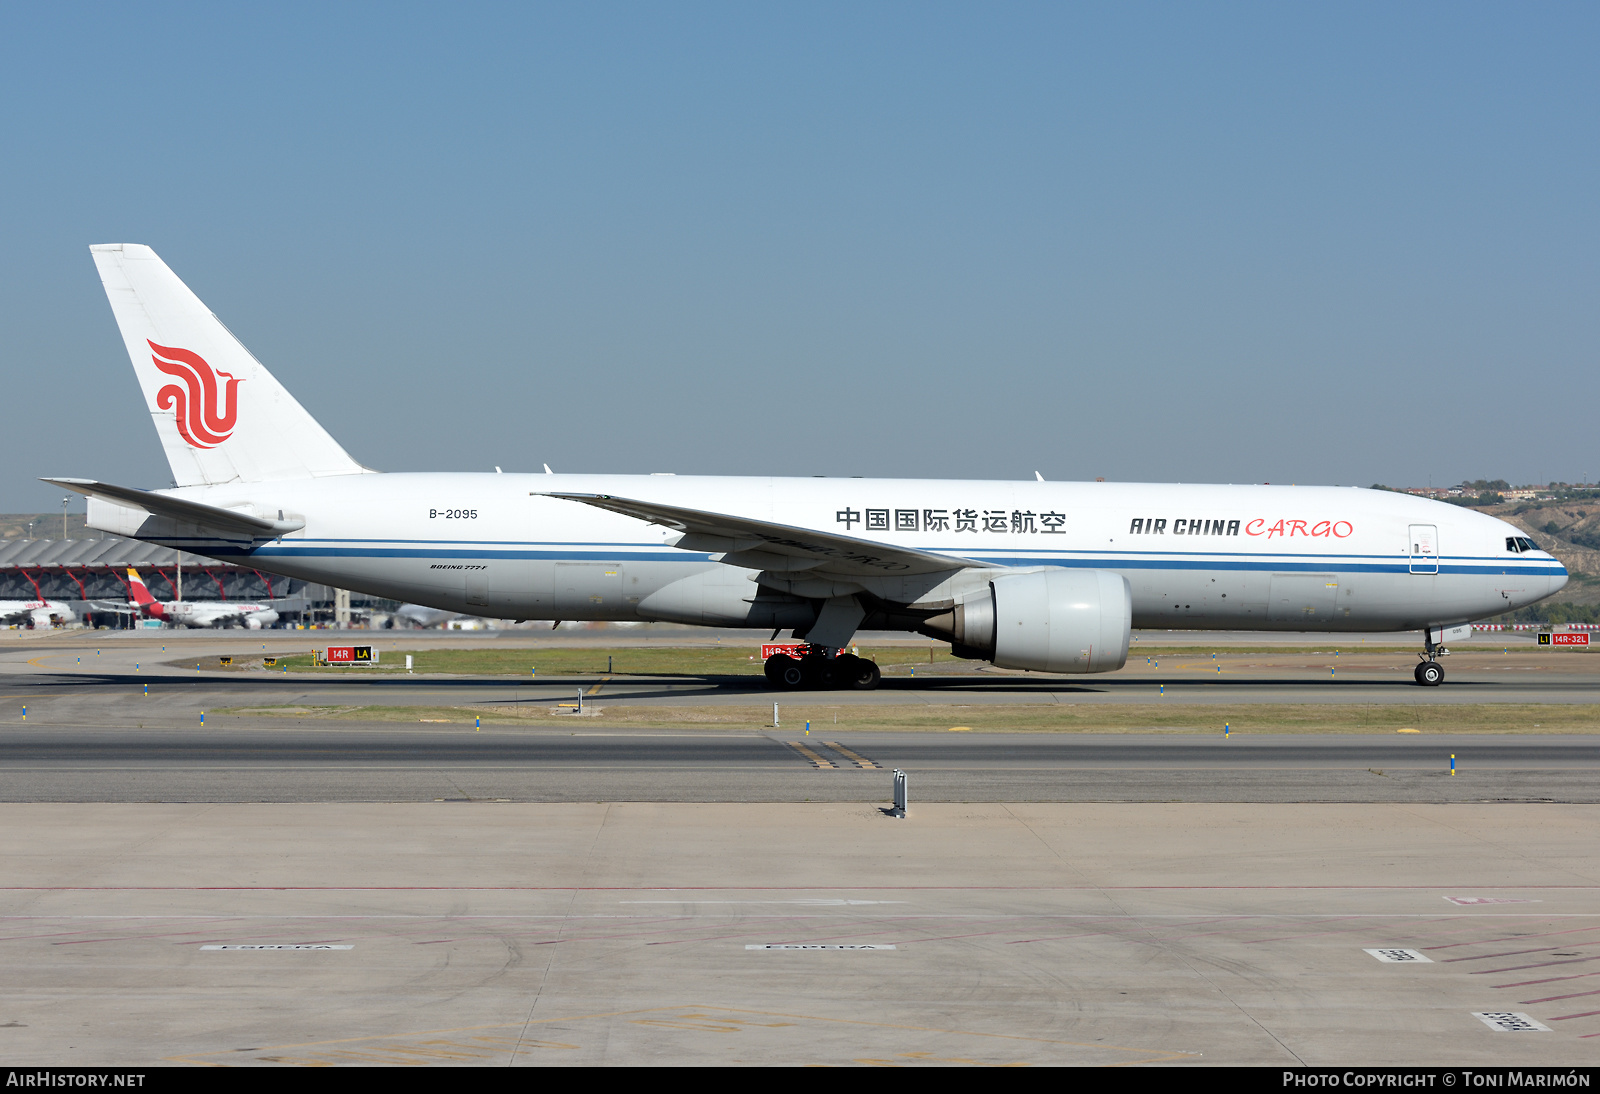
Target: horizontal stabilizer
{"points": [[759, 545], [211, 518]]}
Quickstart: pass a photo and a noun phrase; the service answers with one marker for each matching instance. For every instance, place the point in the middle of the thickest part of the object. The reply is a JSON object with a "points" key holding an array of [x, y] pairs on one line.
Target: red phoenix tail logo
{"points": [[205, 416]]}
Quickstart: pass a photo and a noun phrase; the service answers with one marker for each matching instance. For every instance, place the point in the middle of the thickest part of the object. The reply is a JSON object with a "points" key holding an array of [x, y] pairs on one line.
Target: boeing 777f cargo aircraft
{"points": [[1029, 575]]}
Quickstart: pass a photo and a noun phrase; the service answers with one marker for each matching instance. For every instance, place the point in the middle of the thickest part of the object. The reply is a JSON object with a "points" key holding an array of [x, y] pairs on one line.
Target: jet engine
{"points": [[1054, 620]]}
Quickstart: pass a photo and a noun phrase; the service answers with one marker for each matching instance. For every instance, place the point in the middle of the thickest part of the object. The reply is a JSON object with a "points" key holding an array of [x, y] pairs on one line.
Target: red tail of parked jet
{"points": [[141, 596], [199, 613]]}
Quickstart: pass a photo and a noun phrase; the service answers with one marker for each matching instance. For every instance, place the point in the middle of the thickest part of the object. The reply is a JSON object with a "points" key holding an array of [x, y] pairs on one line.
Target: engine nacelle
{"points": [[1054, 620]]}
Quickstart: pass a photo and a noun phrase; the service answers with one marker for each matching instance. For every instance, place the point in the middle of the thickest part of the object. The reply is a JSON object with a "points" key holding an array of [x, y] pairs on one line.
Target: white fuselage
{"points": [[1237, 557], [211, 613], [39, 613]]}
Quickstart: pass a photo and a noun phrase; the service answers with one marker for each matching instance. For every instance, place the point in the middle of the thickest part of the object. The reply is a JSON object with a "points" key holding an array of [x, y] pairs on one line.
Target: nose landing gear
{"points": [[1429, 673]]}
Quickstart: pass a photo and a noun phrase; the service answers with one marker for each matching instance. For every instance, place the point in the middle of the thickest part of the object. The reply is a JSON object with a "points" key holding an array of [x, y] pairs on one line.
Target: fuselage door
{"points": [[1424, 549]]}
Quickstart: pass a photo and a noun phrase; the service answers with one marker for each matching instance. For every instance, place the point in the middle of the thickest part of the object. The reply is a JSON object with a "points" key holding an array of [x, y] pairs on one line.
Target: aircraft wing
{"points": [[758, 545], [211, 517]]}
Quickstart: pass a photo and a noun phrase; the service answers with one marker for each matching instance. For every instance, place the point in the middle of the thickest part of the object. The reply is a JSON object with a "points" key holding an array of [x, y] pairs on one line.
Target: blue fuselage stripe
{"points": [[1141, 560]]}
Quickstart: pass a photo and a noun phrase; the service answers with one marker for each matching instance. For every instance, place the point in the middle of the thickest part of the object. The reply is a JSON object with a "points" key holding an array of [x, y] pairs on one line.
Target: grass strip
{"points": [[1189, 718], [534, 662]]}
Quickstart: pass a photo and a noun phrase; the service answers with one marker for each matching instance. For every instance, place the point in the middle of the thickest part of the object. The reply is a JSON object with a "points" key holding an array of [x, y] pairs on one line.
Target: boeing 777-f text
{"points": [[1033, 575]]}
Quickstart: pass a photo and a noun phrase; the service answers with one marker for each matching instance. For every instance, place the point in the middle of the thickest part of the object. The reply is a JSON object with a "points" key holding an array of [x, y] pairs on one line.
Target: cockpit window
{"points": [[1512, 545], [1529, 545], [1519, 544]]}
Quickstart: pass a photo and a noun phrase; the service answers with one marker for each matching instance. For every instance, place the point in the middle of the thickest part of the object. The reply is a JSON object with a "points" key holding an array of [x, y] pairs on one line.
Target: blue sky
{"points": [[1288, 243]]}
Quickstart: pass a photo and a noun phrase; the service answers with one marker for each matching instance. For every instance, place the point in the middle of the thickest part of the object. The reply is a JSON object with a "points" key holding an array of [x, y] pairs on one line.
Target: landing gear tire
{"points": [[1430, 674], [822, 673], [863, 675]]}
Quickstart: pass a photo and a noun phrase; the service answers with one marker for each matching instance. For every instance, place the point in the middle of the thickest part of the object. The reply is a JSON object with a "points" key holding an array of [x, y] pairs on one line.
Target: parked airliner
{"points": [[198, 613], [1033, 575], [36, 613]]}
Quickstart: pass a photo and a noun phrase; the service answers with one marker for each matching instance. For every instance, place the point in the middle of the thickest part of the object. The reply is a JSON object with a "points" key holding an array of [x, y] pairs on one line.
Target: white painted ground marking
{"points": [[1398, 956], [820, 902], [1467, 900], [809, 946], [281, 947], [1507, 1021]]}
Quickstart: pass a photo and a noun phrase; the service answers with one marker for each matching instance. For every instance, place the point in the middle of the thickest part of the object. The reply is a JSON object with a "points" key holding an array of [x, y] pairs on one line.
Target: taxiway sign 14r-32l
{"points": [[1035, 575]]}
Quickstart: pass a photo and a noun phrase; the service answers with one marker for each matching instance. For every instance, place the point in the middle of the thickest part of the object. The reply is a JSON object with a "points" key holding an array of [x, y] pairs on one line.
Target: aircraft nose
{"points": [[1558, 581]]}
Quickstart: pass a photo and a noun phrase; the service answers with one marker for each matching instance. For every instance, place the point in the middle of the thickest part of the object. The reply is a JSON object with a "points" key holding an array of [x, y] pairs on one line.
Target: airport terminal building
{"points": [[80, 572]]}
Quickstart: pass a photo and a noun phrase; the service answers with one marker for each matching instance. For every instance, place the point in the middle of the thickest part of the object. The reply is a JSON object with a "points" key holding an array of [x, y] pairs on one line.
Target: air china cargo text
{"points": [[1160, 526]]}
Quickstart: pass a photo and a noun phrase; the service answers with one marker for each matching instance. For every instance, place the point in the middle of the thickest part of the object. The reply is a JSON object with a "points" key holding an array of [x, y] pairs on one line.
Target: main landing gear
{"points": [[817, 670], [1429, 673]]}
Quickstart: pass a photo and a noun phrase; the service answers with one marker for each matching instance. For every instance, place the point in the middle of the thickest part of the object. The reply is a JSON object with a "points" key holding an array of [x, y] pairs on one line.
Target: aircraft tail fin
{"points": [[136, 586], [221, 415]]}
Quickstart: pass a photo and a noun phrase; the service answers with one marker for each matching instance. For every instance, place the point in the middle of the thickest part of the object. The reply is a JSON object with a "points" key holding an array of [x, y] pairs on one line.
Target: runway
{"points": [[245, 760], [127, 727]]}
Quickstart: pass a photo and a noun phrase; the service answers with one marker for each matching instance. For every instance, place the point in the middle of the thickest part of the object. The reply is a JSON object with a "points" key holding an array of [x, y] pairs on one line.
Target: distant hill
{"points": [[47, 526]]}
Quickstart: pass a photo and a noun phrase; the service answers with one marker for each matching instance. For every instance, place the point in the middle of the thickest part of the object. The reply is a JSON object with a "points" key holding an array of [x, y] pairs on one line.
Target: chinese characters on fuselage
{"points": [[1020, 521], [1027, 522]]}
